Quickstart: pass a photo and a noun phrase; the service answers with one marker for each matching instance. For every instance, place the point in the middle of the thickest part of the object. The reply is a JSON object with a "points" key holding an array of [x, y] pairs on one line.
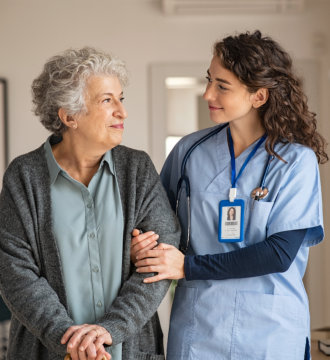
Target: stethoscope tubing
{"points": [[185, 179], [197, 143]]}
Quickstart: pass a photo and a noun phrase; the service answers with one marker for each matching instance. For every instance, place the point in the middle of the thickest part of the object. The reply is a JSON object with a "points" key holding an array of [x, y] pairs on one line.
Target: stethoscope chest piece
{"points": [[259, 193]]}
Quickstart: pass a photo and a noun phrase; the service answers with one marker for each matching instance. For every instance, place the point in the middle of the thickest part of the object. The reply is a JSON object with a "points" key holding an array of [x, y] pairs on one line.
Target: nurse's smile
{"points": [[214, 108]]}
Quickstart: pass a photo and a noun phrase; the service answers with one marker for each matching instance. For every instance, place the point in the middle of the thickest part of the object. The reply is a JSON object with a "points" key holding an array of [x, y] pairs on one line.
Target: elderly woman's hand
{"points": [[89, 354], [86, 342], [142, 242]]}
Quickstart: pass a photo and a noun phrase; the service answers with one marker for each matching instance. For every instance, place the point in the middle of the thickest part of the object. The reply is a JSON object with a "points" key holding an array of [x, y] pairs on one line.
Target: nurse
{"points": [[240, 293]]}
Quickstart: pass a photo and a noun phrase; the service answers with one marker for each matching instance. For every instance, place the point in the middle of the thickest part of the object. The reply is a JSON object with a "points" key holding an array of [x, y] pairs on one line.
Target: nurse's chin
{"points": [[218, 119]]}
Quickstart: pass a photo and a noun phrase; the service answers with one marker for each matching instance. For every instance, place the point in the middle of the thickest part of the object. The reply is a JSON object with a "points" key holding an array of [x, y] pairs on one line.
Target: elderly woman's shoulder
{"points": [[28, 162], [130, 154], [131, 161]]}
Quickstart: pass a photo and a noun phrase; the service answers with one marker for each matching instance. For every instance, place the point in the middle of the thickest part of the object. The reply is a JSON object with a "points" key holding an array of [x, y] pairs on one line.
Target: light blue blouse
{"points": [[88, 228]]}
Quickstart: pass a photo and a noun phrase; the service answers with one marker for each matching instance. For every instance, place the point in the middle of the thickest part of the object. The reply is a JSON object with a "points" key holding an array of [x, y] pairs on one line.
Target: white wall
{"points": [[135, 30], [181, 101]]}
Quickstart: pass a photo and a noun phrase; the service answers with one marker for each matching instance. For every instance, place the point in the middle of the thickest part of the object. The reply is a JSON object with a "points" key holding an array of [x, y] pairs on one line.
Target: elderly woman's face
{"points": [[102, 125]]}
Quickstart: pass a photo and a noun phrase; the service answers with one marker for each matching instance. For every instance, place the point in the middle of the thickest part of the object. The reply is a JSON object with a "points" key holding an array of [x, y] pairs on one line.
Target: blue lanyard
{"points": [[234, 178]]}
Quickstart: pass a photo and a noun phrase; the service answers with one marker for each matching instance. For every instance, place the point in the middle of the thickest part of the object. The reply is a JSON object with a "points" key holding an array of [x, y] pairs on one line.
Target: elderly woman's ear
{"points": [[68, 120]]}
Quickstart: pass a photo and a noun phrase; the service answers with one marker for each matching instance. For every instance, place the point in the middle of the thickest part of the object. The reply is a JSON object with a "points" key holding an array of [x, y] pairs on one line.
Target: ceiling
{"points": [[216, 7]]}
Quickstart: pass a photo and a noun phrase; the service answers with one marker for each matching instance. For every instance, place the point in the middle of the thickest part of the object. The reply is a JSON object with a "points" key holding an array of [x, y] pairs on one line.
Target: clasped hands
{"points": [[150, 257], [86, 342]]}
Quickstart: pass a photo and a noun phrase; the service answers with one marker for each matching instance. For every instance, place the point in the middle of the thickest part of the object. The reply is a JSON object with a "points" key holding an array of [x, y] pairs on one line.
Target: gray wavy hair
{"points": [[63, 80]]}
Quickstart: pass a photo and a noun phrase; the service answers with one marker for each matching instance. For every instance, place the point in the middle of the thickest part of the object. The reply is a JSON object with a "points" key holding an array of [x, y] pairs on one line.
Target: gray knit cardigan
{"points": [[31, 279]]}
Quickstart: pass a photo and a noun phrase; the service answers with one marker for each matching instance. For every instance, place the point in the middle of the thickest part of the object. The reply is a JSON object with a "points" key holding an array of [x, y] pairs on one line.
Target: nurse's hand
{"points": [[166, 260], [142, 242]]}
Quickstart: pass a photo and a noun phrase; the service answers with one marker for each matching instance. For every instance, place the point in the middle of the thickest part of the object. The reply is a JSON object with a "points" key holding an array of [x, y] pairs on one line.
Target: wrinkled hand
{"points": [[101, 354], [166, 260], [86, 342], [142, 242]]}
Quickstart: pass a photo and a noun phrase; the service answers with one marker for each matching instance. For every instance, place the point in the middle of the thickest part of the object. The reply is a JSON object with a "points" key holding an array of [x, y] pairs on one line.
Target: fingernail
{"points": [[81, 348], [137, 270]]}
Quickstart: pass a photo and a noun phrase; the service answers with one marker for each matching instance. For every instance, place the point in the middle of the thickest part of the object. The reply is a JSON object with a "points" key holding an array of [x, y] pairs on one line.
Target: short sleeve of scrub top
{"points": [[298, 203]]}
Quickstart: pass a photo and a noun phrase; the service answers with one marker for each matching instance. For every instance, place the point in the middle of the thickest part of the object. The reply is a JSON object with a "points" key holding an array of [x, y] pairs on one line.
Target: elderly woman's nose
{"points": [[121, 111]]}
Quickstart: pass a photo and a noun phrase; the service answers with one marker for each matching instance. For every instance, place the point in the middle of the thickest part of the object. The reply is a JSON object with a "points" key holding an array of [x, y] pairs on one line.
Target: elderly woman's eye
{"points": [[107, 100]]}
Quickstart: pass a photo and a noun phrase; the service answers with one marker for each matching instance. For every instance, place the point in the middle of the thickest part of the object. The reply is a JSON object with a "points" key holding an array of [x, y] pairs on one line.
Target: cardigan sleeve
{"points": [[145, 206], [27, 293]]}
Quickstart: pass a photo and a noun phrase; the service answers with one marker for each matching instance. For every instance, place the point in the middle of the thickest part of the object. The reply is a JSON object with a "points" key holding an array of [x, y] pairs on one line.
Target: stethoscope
{"points": [[257, 194]]}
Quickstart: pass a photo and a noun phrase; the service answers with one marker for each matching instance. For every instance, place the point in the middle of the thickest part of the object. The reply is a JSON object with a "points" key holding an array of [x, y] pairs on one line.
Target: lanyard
{"points": [[234, 178]]}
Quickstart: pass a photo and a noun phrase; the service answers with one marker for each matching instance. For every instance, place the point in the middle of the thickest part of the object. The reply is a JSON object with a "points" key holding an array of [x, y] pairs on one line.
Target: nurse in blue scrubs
{"points": [[240, 293]]}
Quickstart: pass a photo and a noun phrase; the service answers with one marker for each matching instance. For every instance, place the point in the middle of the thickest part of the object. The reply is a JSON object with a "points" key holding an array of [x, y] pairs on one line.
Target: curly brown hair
{"points": [[260, 62]]}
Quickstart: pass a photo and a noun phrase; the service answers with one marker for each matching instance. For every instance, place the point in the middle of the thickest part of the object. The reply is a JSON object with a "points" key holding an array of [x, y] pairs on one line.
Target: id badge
{"points": [[231, 220]]}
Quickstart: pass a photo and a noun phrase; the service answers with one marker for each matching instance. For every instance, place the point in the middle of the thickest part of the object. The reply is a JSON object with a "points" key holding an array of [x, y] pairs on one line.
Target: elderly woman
{"points": [[67, 210]]}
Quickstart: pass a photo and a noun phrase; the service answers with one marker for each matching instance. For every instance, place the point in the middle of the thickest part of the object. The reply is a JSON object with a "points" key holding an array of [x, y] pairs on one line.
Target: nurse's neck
{"points": [[244, 133]]}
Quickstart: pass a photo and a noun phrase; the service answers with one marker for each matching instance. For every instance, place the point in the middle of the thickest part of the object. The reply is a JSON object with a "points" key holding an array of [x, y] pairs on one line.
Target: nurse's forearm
{"points": [[275, 254]]}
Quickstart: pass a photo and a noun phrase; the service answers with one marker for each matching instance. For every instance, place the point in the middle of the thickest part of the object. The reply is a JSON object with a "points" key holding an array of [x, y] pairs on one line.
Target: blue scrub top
{"points": [[257, 318]]}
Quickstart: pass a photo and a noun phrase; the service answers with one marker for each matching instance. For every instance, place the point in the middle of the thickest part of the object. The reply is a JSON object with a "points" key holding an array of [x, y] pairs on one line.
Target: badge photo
{"points": [[231, 221]]}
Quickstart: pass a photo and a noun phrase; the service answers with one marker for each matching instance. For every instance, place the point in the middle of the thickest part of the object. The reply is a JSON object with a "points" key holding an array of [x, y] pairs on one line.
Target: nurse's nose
{"points": [[209, 93]]}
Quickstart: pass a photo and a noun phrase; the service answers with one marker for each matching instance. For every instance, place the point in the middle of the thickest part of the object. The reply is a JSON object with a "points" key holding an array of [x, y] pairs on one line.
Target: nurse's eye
{"points": [[222, 87], [121, 99], [208, 79]]}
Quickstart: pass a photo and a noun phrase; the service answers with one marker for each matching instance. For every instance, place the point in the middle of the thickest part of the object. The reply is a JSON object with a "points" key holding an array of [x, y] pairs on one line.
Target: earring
{"points": [[74, 126]]}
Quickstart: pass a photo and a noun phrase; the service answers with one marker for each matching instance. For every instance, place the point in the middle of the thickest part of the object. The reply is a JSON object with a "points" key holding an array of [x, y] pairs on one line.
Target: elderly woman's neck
{"points": [[77, 160]]}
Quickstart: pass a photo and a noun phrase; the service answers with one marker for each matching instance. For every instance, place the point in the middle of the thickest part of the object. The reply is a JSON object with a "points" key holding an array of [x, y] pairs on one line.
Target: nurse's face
{"points": [[228, 99]]}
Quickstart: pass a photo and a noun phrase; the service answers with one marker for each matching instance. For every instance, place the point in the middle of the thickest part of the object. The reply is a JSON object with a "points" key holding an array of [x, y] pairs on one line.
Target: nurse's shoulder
{"points": [[294, 154], [184, 144], [171, 170], [300, 164]]}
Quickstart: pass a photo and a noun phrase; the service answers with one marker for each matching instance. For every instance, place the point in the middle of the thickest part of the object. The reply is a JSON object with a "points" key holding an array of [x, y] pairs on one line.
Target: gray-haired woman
{"points": [[67, 210]]}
